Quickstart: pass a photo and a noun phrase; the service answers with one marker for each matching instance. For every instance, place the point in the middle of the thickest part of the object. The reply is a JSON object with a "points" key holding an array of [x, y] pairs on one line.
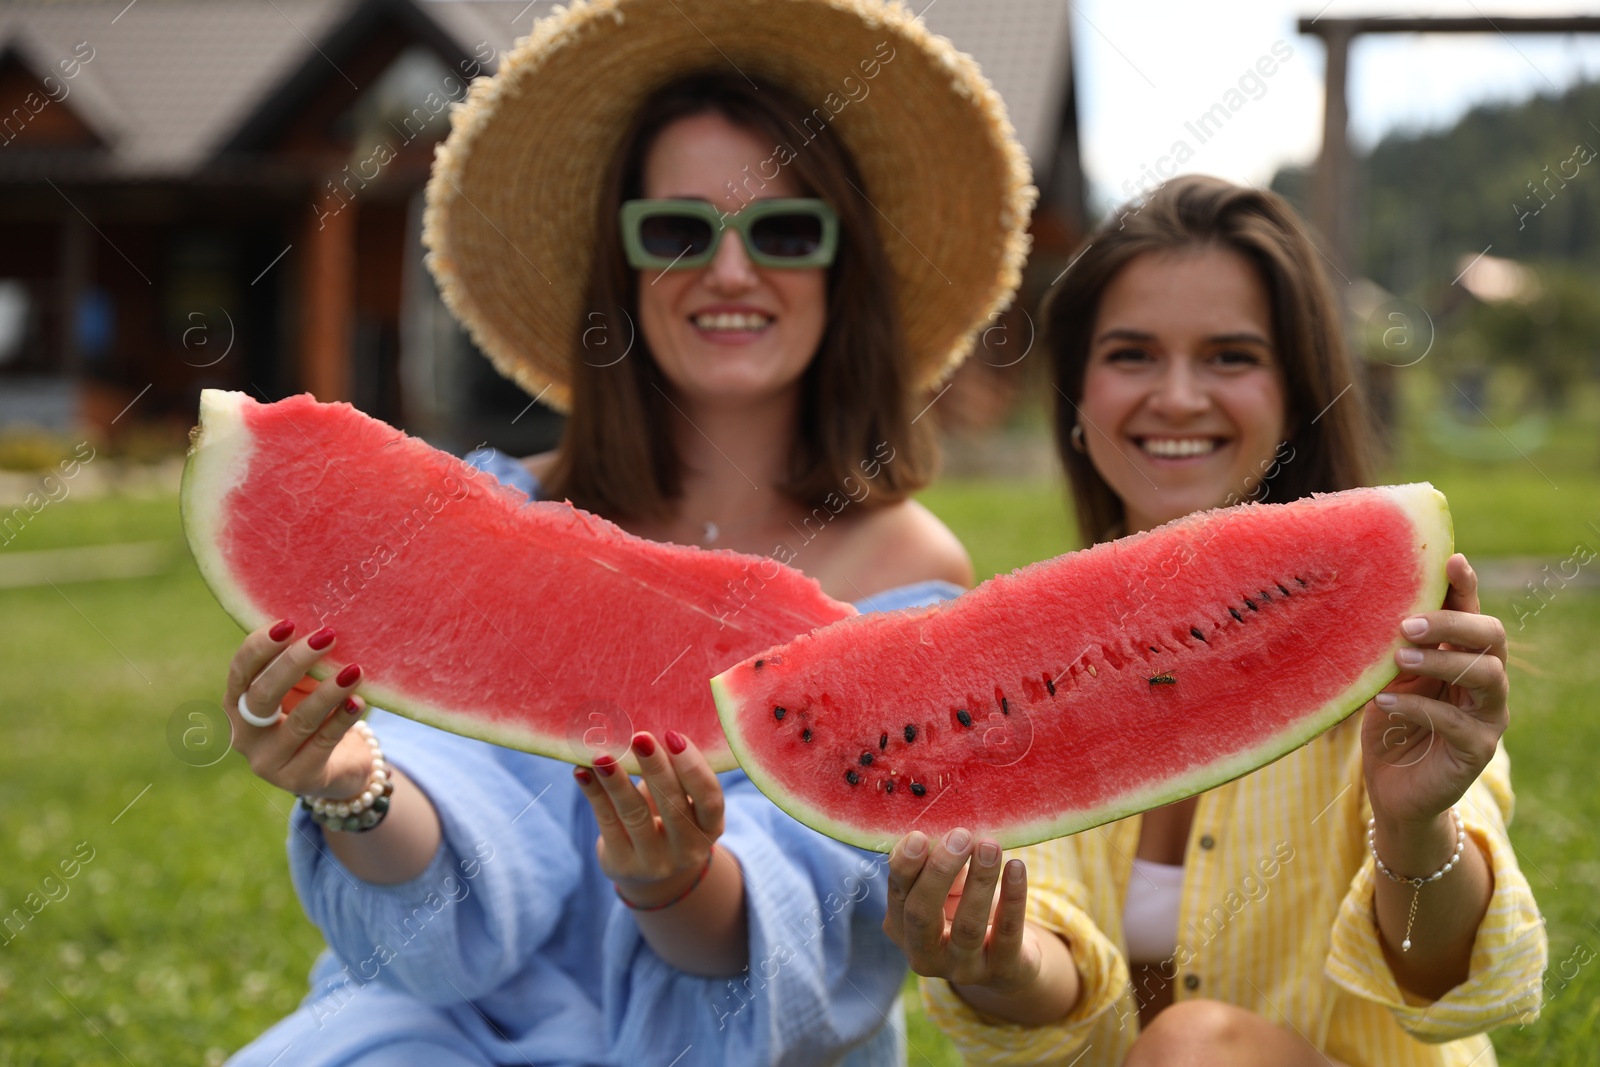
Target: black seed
{"points": [[805, 735], [1050, 685], [779, 713], [1265, 598], [1153, 648], [1236, 616], [1282, 590], [866, 759], [911, 733], [852, 777], [888, 787], [758, 663], [1005, 708], [1198, 636], [883, 742], [1251, 604], [1299, 579], [918, 789], [963, 717]]}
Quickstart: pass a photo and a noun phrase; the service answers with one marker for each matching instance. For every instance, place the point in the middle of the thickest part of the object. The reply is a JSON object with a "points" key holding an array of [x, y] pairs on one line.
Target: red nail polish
{"points": [[349, 676], [605, 763], [583, 776], [676, 742], [281, 630], [644, 744], [321, 639], [351, 706]]}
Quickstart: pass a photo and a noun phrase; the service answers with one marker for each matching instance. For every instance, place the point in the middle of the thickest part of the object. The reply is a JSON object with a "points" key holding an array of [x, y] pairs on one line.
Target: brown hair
{"points": [[617, 455], [1330, 440]]}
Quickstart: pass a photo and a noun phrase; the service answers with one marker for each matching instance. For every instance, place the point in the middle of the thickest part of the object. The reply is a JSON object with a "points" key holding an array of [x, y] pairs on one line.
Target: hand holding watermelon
{"points": [[1430, 733], [944, 916], [308, 752]]}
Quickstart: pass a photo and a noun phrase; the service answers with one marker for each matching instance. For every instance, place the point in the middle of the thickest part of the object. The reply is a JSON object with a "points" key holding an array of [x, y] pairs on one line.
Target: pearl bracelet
{"points": [[1416, 884], [367, 809]]}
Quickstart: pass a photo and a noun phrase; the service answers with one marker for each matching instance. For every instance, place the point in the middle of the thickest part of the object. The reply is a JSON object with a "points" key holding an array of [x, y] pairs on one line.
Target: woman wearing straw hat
{"points": [[727, 237]]}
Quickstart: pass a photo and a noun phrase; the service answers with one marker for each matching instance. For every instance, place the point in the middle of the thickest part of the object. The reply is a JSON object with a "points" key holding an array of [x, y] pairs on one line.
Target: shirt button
{"points": [[1191, 981], [1207, 841]]}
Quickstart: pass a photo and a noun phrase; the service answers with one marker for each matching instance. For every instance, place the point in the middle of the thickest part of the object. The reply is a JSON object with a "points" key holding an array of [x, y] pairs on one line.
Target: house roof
{"points": [[171, 83]]}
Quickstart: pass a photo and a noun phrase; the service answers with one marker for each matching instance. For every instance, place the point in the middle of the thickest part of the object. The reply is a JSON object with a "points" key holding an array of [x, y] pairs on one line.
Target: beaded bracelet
{"points": [[1416, 884], [367, 809], [658, 907]]}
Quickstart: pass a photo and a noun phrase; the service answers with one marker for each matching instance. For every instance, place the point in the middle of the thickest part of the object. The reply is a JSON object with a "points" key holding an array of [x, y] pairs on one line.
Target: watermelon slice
{"points": [[535, 626], [1099, 684]]}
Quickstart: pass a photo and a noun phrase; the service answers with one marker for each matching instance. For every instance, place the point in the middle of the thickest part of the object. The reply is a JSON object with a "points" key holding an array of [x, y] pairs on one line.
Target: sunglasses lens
{"points": [[787, 236], [673, 236]]}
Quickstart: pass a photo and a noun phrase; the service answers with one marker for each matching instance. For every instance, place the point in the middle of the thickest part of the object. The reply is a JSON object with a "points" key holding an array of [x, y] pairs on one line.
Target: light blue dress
{"points": [[511, 948]]}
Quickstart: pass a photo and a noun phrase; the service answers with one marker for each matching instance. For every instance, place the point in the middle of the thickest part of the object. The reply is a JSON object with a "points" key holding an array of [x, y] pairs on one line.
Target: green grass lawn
{"points": [[178, 937]]}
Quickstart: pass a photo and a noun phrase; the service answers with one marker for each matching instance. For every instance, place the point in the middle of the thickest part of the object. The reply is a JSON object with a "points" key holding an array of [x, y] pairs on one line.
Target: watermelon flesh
{"points": [[1098, 684], [535, 626]]}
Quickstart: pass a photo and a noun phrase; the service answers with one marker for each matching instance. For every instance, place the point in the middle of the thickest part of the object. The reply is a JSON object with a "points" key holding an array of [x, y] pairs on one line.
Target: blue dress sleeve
{"points": [[493, 893], [822, 976]]}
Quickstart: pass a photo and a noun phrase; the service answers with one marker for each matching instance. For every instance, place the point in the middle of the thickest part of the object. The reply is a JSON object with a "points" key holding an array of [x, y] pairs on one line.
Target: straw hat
{"points": [[514, 194]]}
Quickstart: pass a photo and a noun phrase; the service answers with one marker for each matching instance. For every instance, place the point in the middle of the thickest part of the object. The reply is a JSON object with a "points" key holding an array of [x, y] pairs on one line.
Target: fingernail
{"points": [[321, 639], [915, 844], [281, 630], [957, 840], [1409, 657], [605, 763], [676, 742], [988, 854], [1384, 700], [1414, 627], [349, 676], [583, 776], [644, 745], [351, 706], [1014, 872]]}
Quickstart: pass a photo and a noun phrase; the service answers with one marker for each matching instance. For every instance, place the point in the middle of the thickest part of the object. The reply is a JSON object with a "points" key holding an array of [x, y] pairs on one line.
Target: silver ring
{"points": [[255, 720]]}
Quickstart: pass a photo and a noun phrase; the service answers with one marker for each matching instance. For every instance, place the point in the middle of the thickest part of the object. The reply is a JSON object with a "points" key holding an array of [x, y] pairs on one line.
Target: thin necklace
{"points": [[712, 531]]}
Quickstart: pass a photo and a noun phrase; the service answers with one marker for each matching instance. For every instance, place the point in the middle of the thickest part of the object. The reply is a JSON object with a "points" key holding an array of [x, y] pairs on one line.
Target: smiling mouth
{"points": [[1178, 447], [731, 322]]}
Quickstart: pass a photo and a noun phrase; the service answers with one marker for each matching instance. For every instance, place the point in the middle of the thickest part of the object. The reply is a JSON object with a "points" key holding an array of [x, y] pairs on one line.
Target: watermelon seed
{"points": [[1265, 598], [866, 759], [1050, 684], [1153, 648], [918, 789], [883, 742], [852, 777], [1301, 580], [1005, 707], [1093, 672], [888, 787], [1282, 590], [779, 713], [758, 663], [964, 718], [1236, 616], [805, 735], [1251, 604], [911, 733], [1198, 636]]}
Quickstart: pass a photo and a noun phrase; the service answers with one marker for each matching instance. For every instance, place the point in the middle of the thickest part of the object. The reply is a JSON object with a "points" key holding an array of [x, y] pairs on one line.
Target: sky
{"points": [[1146, 68]]}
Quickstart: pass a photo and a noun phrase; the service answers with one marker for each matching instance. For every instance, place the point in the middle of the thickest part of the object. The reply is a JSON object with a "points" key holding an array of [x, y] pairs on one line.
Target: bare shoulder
{"points": [[539, 466], [900, 544]]}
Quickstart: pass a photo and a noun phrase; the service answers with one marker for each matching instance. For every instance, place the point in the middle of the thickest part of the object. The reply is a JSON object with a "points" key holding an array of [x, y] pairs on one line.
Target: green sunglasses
{"points": [[682, 234]]}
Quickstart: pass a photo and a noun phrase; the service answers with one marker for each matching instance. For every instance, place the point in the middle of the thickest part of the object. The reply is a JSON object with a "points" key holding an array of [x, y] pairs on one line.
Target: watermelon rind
{"points": [[1434, 541]]}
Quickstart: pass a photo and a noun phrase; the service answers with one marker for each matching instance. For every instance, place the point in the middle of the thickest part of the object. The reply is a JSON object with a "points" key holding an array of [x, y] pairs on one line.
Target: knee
{"points": [[1192, 1032]]}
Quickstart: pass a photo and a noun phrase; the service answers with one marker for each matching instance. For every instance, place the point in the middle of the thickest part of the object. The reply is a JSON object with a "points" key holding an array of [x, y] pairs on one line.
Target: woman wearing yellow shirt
{"points": [[1198, 363]]}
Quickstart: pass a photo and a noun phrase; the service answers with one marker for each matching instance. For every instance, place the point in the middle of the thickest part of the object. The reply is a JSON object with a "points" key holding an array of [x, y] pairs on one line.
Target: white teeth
{"points": [[1173, 447], [732, 321]]}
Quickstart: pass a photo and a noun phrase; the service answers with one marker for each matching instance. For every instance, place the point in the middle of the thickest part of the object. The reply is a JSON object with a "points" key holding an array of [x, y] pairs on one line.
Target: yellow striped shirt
{"points": [[1276, 917]]}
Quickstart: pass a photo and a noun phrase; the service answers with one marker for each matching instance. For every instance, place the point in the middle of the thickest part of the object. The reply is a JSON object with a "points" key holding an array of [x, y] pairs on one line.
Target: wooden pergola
{"points": [[1330, 198]]}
